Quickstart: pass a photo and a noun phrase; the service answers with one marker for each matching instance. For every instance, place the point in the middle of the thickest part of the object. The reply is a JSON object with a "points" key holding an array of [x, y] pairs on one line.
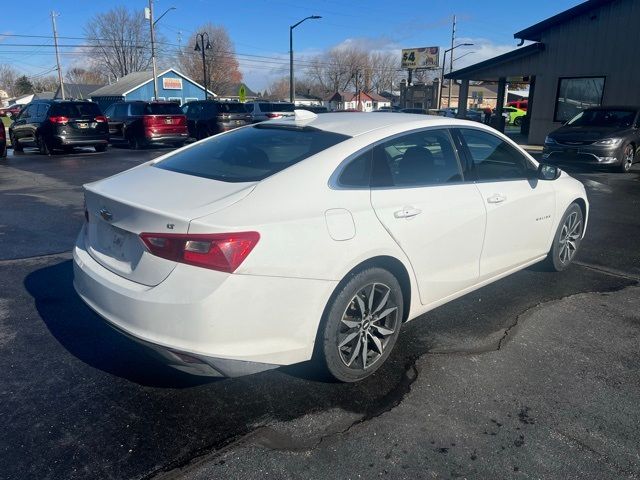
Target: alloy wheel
{"points": [[569, 237], [627, 158], [366, 326]]}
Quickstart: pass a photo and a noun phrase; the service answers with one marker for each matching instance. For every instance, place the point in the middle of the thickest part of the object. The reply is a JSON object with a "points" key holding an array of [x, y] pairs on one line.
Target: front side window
{"points": [[250, 154], [577, 94], [493, 159], [416, 159]]}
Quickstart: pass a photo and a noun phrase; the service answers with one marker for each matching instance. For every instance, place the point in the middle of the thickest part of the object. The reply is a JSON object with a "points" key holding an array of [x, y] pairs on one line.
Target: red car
{"points": [[10, 111], [521, 104]]}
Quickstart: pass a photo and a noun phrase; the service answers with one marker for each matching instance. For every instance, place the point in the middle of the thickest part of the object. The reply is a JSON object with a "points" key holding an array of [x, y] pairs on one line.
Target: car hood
{"points": [[570, 133]]}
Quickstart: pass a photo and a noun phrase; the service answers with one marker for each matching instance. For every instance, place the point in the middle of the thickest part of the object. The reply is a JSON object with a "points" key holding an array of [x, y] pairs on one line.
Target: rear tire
{"points": [[135, 143], [517, 122], [100, 148], [43, 146], [628, 157], [14, 144], [361, 325], [567, 240]]}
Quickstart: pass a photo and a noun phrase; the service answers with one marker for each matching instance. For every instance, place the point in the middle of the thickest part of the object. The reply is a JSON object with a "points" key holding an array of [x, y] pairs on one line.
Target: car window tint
{"points": [[492, 158], [42, 109], [250, 154], [276, 107], [195, 111], [232, 107], [75, 109], [109, 111], [136, 109], [162, 109], [357, 173], [417, 159], [121, 110]]}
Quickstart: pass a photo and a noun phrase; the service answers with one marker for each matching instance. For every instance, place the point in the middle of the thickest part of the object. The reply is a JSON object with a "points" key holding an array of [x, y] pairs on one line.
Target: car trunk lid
{"points": [[148, 199]]}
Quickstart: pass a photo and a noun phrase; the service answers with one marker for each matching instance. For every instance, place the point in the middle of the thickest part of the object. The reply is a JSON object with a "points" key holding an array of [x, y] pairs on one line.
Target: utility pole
{"points": [[201, 47], [153, 51], [453, 39], [55, 42]]}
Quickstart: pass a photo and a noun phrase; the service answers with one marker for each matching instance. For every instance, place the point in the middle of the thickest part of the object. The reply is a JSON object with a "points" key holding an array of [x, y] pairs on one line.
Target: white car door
{"points": [[438, 220], [520, 208]]}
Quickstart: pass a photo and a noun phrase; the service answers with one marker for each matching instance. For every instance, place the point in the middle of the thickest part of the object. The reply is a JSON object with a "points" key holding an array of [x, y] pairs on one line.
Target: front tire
{"points": [[628, 157], [15, 144], [361, 325], [517, 122], [567, 239], [100, 148]]}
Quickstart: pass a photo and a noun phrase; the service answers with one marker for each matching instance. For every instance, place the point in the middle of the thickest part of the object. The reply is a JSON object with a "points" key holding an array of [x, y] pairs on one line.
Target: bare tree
{"points": [[84, 76], [385, 71], [119, 41], [45, 84], [222, 65], [8, 77], [279, 89]]}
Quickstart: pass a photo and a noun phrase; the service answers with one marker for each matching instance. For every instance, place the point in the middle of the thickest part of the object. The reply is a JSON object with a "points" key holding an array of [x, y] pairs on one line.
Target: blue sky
{"points": [[259, 28]]}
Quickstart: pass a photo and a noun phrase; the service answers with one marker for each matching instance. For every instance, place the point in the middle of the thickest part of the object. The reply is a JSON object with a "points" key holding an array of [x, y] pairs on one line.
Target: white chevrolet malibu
{"points": [[316, 237]]}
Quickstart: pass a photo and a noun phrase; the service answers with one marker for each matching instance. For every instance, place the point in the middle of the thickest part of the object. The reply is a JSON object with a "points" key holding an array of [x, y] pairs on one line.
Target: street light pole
{"points": [[444, 62], [292, 90], [152, 30], [201, 47]]}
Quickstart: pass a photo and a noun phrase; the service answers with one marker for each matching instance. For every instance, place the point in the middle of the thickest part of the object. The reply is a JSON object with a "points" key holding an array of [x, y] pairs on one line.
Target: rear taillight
{"points": [[217, 251], [59, 119], [273, 115], [101, 119]]}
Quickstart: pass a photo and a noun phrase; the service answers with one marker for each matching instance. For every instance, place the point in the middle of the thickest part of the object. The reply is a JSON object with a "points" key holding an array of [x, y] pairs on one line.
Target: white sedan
{"points": [[316, 237]]}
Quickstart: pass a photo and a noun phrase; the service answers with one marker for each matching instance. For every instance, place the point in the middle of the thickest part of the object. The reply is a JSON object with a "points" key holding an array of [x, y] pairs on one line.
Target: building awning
{"points": [[513, 65]]}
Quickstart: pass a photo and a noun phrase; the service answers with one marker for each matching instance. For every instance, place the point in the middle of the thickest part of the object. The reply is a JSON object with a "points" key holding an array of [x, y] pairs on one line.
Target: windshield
{"points": [[250, 154], [162, 109], [604, 118], [75, 109], [232, 108]]}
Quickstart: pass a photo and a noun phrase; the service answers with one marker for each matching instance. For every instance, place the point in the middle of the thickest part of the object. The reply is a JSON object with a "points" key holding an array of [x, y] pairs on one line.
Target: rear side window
{"points": [[250, 154], [416, 159], [162, 109], [357, 173], [277, 107], [75, 109]]}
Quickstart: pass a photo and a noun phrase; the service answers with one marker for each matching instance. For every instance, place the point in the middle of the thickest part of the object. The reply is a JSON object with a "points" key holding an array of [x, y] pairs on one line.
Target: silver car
{"points": [[261, 111]]}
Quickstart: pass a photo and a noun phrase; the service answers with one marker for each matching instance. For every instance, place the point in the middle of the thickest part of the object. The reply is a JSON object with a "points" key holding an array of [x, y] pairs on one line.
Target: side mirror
{"points": [[548, 172]]}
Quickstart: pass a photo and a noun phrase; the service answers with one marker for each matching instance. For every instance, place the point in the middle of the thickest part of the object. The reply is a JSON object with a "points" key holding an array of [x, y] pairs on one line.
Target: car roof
{"points": [[358, 123]]}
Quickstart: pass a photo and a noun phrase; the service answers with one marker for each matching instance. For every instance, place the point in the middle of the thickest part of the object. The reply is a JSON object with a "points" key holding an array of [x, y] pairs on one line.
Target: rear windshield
{"points": [[75, 109], [604, 118], [277, 107], [162, 109], [232, 108], [250, 154]]}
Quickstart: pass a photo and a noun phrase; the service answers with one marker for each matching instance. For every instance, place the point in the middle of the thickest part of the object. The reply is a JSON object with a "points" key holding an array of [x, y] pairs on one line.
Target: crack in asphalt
{"points": [[270, 438]]}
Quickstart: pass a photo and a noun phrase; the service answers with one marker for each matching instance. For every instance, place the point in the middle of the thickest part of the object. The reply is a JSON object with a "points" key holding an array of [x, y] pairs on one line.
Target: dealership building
{"points": [[172, 86], [585, 56]]}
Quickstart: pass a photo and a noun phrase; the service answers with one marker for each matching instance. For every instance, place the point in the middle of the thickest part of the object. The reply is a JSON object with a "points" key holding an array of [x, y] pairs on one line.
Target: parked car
{"points": [[607, 136], [420, 111], [10, 111], [59, 125], [261, 111], [520, 104], [515, 115], [474, 115], [314, 108], [140, 123], [210, 117], [209, 256], [3, 141]]}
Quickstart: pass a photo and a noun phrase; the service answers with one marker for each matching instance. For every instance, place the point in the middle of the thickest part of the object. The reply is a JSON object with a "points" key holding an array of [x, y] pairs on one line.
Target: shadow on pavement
{"points": [[89, 338]]}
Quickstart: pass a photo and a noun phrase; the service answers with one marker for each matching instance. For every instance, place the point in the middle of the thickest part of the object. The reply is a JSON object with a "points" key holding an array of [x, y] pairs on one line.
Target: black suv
{"points": [[59, 124], [206, 118]]}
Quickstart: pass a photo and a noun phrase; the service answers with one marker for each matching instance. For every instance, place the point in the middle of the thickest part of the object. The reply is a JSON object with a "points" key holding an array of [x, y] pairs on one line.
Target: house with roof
{"points": [[580, 58], [362, 101], [172, 86], [77, 91], [232, 93]]}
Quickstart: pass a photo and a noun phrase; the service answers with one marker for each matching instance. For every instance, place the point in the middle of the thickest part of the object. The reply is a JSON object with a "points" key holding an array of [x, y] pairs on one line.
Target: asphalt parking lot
{"points": [[535, 376]]}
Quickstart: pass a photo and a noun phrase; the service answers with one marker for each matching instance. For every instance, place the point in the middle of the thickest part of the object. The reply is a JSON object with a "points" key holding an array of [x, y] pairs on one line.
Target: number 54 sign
{"points": [[426, 57]]}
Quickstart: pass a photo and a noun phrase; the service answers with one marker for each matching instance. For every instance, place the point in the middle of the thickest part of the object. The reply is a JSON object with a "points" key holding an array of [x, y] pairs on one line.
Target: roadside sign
{"points": [[242, 94], [425, 57]]}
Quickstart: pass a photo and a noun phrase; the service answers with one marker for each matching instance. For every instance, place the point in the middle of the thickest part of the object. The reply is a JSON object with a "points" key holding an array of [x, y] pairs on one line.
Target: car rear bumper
{"points": [[585, 154], [207, 322], [62, 140], [167, 137]]}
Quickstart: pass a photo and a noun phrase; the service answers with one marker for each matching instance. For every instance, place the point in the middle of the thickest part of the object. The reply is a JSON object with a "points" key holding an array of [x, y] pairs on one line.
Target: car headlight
{"points": [[549, 141], [609, 142]]}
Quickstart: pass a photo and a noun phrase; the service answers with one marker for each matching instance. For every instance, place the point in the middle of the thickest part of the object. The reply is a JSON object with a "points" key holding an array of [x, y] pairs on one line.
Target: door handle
{"points": [[407, 212], [496, 198]]}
